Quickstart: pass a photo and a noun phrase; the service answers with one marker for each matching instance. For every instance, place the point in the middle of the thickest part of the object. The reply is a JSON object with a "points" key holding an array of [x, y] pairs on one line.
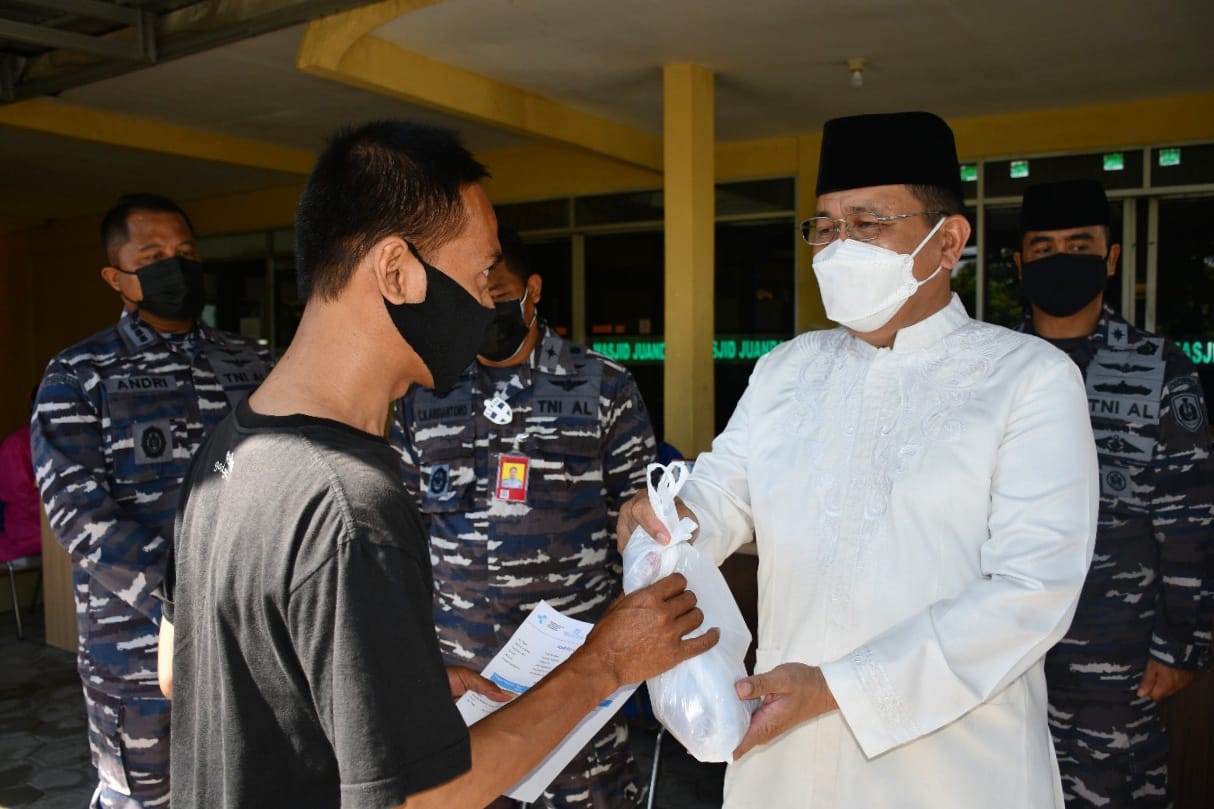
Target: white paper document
{"points": [[543, 642]]}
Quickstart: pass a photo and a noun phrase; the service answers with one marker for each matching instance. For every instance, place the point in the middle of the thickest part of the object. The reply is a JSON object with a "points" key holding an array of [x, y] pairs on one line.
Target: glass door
{"points": [[1183, 270]]}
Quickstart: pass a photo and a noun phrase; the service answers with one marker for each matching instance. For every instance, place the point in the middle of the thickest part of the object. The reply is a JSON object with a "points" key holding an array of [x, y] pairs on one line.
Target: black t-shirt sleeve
{"points": [[164, 593], [363, 632]]}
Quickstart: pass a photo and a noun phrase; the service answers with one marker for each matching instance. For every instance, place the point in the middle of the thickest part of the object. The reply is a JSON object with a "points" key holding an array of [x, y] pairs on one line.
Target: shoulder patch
{"points": [[1186, 404]]}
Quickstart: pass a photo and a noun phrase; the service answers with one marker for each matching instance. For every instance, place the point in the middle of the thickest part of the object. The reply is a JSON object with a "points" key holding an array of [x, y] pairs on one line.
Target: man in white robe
{"points": [[922, 488]]}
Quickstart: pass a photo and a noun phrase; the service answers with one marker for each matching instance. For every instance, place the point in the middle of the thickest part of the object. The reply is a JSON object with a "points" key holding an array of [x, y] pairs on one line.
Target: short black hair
{"points": [[114, 231], [377, 180], [935, 198], [514, 252]]}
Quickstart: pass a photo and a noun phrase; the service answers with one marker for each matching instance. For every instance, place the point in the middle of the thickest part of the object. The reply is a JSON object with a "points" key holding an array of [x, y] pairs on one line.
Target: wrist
{"points": [[592, 672]]}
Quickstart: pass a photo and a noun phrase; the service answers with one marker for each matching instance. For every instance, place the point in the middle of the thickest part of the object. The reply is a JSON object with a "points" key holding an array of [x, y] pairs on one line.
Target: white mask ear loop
{"points": [[522, 312], [917, 283], [928, 237]]}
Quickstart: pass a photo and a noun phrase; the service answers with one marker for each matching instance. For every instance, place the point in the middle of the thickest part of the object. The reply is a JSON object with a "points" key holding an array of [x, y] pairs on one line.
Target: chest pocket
{"points": [[149, 426], [566, 468], [564, 442], [443, 433], [1125, 484]]}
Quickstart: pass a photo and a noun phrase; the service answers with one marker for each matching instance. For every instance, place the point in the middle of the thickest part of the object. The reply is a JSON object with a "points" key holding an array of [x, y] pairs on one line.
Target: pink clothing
{"points": [[21, 530]]}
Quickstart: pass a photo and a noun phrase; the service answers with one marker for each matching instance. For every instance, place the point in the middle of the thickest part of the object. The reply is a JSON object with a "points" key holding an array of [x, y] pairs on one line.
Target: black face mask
{"points": [[1063, 283], [444, 329], [508, 331], [173, 288]]}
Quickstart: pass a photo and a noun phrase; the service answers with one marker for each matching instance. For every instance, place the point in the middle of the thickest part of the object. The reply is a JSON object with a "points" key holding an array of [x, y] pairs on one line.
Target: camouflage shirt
{"points": [[579, 423], [1149, 588], [116, 421]]}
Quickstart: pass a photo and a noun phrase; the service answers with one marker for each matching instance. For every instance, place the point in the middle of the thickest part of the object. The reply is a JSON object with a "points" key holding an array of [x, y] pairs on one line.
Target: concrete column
{"points": [[689, 176], [810, 313]]}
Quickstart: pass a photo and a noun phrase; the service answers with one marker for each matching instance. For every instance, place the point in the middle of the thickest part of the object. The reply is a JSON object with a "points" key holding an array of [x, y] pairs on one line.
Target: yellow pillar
{"points": [[688, 158], [811, 314]]}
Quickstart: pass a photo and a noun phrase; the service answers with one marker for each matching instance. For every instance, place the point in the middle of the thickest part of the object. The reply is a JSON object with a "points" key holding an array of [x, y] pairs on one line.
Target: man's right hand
{"points": [[638, 511], [641, 634]]}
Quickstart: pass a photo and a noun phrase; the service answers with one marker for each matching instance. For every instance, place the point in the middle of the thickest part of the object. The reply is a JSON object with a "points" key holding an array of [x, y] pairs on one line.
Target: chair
{"points": [[638, 707], [23, 564], [653, 772]]}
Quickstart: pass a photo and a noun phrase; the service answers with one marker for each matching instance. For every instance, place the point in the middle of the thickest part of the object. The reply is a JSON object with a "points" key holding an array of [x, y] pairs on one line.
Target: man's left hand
{"points": [[1160, 681], [463, 680], [792, 693]]}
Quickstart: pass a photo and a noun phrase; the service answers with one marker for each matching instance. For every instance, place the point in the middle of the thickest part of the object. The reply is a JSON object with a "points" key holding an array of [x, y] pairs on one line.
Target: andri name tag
{"points": [[512, 473]]}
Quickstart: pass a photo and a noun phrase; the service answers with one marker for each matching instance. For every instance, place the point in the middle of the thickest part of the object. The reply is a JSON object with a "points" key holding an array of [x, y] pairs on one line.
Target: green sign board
{"points": [[1114, 161], [1201, 352], [649, 350], [1169, 157], [969, 172], [1019, 169]]}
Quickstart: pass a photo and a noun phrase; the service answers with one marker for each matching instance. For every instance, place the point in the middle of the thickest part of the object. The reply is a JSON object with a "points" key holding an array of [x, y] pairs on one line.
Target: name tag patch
{"points": [[436, 411], [566, 397], [234, 373], [142, 384]]}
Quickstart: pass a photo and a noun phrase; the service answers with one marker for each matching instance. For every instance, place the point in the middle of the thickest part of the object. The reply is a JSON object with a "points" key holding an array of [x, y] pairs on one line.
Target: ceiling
{"points": [[780, 68]]}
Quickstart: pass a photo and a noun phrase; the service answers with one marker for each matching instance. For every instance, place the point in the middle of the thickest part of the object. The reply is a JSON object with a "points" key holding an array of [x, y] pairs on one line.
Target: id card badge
{"points": [[512, 473]]}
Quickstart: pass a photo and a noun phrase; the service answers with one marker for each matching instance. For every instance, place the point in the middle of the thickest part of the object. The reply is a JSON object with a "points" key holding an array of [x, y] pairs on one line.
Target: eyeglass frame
{"points": [[805, 224]]}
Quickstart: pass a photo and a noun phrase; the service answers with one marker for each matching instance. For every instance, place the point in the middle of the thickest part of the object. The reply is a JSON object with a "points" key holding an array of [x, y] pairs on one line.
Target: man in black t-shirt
{"points": [[297, 642]]}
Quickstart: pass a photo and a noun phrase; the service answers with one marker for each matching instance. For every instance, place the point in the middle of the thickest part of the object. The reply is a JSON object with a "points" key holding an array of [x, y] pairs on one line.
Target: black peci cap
{"points": [[1064, 205], [898, 148]]}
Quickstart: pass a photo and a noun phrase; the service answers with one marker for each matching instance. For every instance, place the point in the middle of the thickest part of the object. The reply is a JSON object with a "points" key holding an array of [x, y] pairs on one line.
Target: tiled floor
{"points": [[44, 755], [44, 751]]}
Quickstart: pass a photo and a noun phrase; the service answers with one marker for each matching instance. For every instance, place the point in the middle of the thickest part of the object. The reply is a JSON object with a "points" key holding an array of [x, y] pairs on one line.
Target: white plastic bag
{"points": [[695, 700]]}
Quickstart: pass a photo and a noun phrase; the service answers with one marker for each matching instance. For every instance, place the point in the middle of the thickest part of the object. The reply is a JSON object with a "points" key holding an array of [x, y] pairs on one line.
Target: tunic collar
{"points": [[138, 335], [930, 330], [550, 355], [1112, 330]]}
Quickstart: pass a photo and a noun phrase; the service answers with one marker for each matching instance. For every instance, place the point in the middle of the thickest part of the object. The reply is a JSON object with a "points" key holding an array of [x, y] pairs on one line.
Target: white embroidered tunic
{"points": [[925, 516]]}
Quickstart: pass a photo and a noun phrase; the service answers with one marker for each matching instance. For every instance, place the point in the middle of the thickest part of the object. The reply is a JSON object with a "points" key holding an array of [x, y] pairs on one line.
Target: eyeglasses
{"points": [[863, 227]]}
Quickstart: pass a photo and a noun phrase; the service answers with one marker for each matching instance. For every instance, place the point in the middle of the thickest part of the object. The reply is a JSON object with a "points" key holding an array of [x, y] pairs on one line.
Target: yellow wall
{"points": [[53, 297]]}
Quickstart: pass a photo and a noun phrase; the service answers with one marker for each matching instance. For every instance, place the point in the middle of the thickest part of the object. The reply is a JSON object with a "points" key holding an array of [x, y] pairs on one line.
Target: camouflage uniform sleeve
{"points": [[628, 442], [70, 469], [264, 355], [398, 433], [1182, 515]]}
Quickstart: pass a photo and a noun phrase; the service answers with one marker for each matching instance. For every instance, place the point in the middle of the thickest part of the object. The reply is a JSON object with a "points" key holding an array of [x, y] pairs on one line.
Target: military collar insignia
{"points": [[1116, 332], [135, 333], [552, 355]]}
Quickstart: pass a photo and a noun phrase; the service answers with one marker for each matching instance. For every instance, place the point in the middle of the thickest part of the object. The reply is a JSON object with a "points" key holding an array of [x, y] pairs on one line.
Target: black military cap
{"points": [[1063, 205], [898, 148]]}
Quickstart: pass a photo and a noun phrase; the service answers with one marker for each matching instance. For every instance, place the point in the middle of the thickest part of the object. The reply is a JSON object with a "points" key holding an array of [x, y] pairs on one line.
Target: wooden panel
{"points": [[1190, 719], [59, 605], [741, 574]]}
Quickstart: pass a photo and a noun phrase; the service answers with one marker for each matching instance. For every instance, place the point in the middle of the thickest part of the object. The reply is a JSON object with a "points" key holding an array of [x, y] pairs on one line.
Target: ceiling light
{"points": [[856, 66]]}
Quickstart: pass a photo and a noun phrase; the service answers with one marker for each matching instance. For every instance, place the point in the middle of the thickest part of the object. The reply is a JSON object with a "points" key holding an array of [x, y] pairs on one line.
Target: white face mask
{"points": [[863, 286]]}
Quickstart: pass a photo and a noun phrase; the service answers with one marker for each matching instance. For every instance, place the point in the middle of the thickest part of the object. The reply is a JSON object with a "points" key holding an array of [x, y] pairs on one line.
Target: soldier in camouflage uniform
{"points": [[1142, 627], [571, 426], [116, 421]]}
